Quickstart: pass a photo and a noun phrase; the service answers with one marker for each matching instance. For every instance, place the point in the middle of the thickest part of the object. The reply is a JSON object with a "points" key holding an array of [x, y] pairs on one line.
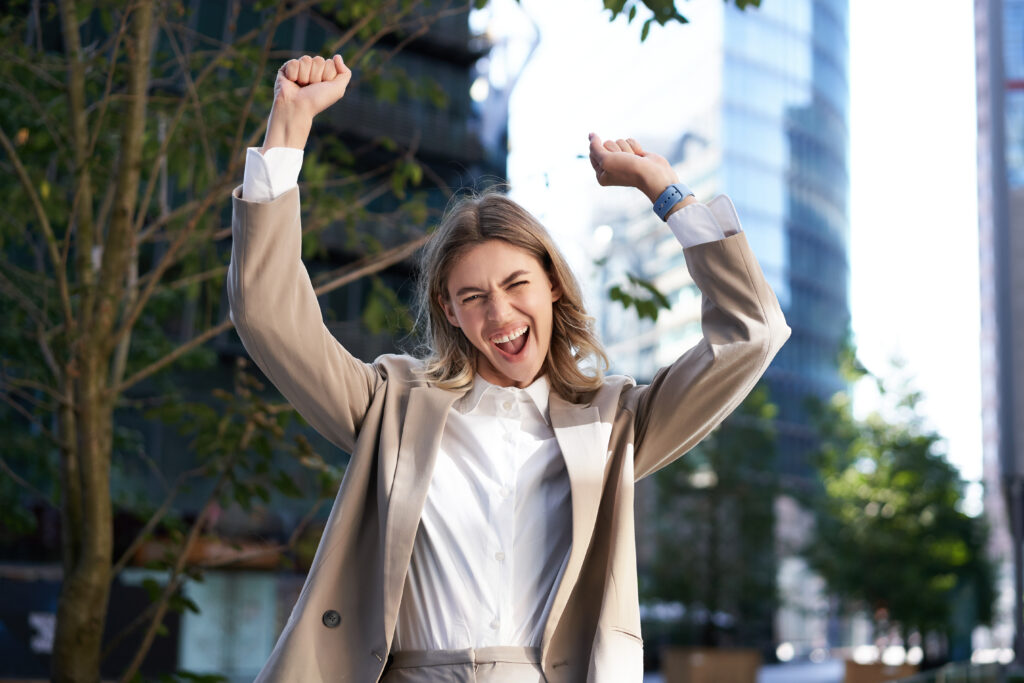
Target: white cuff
{"points": [[270, 175], [699, 223]]}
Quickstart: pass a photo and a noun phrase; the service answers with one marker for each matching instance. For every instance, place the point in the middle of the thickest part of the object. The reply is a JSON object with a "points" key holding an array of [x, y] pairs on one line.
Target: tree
{"points": [[714, 532], [891, 536], [124, 129]]}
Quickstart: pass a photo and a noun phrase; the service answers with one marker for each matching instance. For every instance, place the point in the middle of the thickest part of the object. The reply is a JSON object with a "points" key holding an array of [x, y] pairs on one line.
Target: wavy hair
{"points": [[450, 359]]}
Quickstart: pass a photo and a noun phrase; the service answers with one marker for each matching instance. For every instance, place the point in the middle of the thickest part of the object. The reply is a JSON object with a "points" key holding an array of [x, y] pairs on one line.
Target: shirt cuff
{"points": [[270, 175], [699, 223]]}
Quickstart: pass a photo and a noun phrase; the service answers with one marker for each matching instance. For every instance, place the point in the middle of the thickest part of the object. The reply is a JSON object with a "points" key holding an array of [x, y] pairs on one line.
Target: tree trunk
{"points": [[86, 428], [82, 605]]}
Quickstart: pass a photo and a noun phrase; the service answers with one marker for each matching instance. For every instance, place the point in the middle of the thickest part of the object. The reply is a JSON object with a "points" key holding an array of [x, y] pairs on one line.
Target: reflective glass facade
{"points": [[772, 132], [999, 45], [785, 163]]}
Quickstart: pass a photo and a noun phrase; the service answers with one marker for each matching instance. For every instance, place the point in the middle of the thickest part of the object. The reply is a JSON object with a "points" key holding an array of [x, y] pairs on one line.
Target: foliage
{"points": [[641, 295], [714, 531], [123, 129], [891, 536], [661, 11]]}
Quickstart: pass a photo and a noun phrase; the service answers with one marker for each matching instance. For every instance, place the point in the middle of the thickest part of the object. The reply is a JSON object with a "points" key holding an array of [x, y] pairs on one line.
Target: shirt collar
{"points": [[538, 392]]}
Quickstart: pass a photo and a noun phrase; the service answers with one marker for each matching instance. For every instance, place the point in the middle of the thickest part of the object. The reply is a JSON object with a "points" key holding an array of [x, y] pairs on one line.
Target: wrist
{"points": [[654, 184], [671, 199], [287, 127]]}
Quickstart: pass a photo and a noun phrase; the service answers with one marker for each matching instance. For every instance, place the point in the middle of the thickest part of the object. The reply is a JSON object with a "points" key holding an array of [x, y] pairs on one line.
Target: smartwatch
{"points": [[673, 194]]}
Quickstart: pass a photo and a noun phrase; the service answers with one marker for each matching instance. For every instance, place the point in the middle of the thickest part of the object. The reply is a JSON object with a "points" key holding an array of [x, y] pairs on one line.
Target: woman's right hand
{"points": [[304, 88]]}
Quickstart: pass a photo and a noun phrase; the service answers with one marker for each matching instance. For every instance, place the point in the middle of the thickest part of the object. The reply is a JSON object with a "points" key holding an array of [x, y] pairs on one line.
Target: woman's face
{"points": [[502, 299]]}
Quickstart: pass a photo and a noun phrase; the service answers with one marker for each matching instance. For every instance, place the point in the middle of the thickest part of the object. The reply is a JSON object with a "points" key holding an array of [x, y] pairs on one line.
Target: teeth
{"points": [[509, 337]]}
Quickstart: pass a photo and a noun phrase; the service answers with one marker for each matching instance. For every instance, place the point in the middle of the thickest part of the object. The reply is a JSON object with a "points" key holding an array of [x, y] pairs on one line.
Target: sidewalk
{"points": [[803, 672]]}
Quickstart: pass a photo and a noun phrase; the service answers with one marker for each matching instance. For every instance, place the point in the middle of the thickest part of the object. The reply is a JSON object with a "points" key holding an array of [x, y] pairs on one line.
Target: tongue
{"points": [[515, 346]]}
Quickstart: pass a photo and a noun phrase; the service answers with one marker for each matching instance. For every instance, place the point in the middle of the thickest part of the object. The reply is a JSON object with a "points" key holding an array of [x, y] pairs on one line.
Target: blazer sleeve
{"points": [[743, 328], [278, 318]]}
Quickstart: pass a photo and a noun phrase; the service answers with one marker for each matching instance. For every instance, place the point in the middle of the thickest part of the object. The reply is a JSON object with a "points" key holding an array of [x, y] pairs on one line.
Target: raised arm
{"points": [[741, 320], [271, 297], [304, 87]]}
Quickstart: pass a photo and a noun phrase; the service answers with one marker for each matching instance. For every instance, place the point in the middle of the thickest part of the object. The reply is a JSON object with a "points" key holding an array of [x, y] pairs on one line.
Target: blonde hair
{"points": [[450, 358]]}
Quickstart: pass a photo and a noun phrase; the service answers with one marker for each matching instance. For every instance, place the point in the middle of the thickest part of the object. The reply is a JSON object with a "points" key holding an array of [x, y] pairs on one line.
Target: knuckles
{"points": [[311, 69]]}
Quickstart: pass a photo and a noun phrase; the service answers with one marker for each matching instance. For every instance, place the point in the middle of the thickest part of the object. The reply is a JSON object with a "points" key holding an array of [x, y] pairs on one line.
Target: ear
{"points": [[449, 312], [556, 290]]}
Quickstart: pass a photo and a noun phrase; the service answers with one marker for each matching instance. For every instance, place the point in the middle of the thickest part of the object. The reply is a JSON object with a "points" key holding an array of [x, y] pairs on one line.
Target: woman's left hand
{"points": [[625, 163]]}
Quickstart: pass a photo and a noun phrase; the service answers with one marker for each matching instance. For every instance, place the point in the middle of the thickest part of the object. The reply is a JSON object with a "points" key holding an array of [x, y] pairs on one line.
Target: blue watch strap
{"points": [[673, 194]]}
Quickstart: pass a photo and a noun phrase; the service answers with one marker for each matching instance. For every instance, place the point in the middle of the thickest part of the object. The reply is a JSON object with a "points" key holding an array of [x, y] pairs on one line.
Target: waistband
{"points": [[481, 655]]}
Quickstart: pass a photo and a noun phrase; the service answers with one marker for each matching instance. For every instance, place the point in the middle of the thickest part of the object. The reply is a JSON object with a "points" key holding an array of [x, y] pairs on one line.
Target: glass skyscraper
{"points": [[763, 117], [999, 31], [766, 122]]}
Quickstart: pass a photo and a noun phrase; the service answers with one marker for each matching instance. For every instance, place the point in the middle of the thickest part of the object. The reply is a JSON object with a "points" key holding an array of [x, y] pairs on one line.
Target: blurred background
{"points": [[858, 518]]}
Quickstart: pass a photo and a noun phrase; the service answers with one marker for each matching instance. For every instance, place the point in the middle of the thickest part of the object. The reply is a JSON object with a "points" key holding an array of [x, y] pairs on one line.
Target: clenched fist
{"points": [[304, 87], [312, 83]]}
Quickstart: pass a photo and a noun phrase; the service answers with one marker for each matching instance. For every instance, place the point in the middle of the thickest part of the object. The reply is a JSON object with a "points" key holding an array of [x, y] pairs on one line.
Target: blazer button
{"points": [[331, 619]]}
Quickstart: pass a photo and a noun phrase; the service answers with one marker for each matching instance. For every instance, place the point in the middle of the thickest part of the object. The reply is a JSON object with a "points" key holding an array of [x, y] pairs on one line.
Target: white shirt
{"points": [[496, 528]]}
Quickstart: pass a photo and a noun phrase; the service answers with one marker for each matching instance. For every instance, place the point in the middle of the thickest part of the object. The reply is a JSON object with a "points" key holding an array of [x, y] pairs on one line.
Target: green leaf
{"points": [[153, 588]]}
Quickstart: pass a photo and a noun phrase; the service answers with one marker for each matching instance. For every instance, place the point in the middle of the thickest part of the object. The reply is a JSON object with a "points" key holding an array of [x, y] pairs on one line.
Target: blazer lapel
{"points": [[421, 437], [584, 443]]}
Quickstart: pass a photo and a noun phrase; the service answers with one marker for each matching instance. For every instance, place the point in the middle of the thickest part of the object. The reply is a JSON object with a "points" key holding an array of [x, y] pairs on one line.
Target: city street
{"points": [[803, 672]]}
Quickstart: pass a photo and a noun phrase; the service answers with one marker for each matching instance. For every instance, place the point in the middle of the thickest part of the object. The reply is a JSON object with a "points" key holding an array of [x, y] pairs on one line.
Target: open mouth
{"points": [[512, 343]]}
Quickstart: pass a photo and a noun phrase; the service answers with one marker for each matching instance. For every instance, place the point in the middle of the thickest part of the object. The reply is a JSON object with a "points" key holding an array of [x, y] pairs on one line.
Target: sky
{"points": [[913, 249]]}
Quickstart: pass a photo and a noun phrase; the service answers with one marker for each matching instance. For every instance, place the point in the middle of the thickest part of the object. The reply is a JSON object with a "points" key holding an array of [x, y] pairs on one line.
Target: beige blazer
{"points": [[341, 628]]}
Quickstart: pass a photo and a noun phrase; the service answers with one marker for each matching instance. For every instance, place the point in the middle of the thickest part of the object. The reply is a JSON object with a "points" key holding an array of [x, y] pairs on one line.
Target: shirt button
{"points": [[499, 556], [507, 405], [495, 624], [505, 491], [331, 618]]}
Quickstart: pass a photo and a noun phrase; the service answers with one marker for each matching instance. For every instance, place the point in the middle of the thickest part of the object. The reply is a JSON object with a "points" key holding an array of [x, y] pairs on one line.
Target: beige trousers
{"points": [[482, 665]]}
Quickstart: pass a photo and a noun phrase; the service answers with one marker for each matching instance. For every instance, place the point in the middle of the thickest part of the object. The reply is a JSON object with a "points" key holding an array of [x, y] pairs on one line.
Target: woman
{"points": [[484, 527]]}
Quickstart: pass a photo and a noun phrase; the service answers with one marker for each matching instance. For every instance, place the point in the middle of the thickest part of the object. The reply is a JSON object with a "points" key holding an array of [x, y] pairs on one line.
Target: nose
{"points": [[498, 306]]}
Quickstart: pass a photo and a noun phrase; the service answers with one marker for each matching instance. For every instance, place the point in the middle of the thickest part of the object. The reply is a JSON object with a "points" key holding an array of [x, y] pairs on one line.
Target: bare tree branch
{"points": [[34, 68], [130, 628], [194, 100], [211, 64], [174, 355], [25, 484], [329, 282], [36, 422], [44, 224], [105, 98], [261, 64], [354, 30], [154, 519], [182, 559], [221, 187], [346, 274], [195, 278], [59, 141]]}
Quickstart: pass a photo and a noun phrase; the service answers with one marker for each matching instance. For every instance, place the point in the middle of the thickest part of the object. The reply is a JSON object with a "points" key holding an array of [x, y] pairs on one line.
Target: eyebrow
{"points": [[506, 281]]}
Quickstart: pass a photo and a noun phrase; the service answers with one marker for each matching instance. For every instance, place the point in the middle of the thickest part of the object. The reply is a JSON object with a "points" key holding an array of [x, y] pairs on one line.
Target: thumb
{"points": [[343, 74], [597, 152]]}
